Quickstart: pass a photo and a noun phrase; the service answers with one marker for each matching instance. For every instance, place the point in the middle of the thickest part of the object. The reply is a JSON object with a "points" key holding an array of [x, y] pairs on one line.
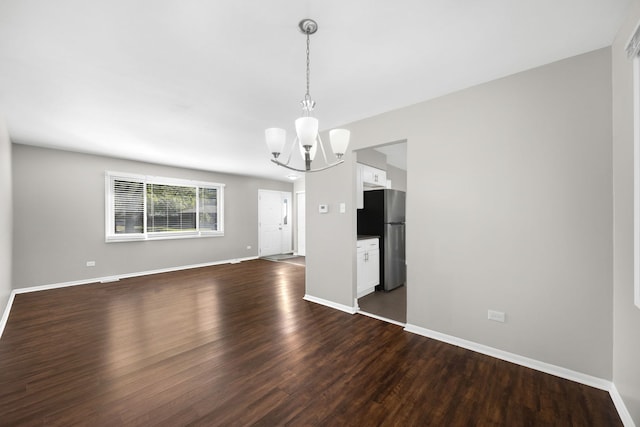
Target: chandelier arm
{"points": [[303, 170], [284, 165], [295, 142], [324, 154], [326, 167]]}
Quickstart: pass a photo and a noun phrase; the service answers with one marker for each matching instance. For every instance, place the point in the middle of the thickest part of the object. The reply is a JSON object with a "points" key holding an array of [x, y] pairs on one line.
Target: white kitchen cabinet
{"points": [[373, 177], [368, 178], [368, 266]]}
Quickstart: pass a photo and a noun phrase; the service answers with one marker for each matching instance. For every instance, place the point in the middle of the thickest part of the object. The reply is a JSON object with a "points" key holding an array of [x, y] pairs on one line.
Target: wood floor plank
{"points": [[236, 345]]}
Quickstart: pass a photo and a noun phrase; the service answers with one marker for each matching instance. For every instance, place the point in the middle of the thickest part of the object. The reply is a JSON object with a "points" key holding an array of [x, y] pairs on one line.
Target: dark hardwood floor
{"points": [[236, 345]]}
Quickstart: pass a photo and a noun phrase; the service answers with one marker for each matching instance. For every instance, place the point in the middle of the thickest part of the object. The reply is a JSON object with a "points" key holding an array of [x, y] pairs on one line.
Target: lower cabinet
{"points": [[368, 266]]}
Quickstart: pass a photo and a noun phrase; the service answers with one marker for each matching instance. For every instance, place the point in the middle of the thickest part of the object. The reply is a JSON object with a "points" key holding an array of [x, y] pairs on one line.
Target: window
{"points": [[142, 207]]}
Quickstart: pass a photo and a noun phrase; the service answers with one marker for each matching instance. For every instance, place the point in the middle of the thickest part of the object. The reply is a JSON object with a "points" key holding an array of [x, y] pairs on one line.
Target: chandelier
{"points": [[307, 138]]}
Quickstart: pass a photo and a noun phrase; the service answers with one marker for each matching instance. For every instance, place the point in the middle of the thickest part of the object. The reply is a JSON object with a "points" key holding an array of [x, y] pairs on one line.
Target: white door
{"points": [[301, 223], [274, 222]]}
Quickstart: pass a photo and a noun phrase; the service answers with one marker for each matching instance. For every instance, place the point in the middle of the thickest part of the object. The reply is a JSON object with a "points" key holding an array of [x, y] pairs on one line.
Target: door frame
{"points": [[286, 231], [302, 219]]}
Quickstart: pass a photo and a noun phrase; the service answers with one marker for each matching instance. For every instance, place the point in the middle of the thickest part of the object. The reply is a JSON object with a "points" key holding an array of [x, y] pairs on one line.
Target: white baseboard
{"points": [[341, 307], [384, 319], [548, 368], [7, 310], [513, 358], [106, 279], [625, 416]]}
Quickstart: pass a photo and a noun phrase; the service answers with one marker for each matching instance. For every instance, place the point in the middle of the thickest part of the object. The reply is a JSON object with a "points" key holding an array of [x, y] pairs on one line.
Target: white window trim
{"points": [[633, 53], [110, 236], [636, 180]]}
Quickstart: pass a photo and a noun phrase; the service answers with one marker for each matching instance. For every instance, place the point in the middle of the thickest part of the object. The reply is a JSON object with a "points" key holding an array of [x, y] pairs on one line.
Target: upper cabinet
{"points": [[368, 178], [373, 177]]}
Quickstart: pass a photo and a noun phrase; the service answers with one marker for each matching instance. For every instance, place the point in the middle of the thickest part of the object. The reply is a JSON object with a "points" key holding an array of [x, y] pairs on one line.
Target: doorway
{"points": [[391, 160], [274, 222]]}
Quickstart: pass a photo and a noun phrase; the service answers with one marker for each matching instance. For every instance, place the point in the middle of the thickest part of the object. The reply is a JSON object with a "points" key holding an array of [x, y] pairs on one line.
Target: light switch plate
{"points": [[343, 207], [497, 316]]}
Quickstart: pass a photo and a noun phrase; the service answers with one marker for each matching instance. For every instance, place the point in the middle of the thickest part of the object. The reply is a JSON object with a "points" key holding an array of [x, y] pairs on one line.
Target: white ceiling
{"points": [[195, 83]]}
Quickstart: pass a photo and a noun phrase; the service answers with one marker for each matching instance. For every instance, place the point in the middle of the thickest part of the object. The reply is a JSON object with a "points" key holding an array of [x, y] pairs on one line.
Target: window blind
{"points": [[208, 208], [128, 201]]}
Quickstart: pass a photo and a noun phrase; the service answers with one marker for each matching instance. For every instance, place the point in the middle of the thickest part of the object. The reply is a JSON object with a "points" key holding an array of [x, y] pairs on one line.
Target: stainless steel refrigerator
{"points": [[383, 216]]}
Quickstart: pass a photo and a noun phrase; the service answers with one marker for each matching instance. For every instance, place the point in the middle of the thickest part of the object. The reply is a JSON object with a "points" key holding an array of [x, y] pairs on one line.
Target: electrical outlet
{"points": [[497, 316], [91, 263], [248, 247]]}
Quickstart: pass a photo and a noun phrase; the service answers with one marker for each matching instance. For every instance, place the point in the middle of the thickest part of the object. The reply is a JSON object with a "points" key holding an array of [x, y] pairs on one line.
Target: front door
{"points": [[274, 222]]}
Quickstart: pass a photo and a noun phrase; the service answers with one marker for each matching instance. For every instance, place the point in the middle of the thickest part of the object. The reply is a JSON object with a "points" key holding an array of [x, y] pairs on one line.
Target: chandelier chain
{"points": [[307, 95]]}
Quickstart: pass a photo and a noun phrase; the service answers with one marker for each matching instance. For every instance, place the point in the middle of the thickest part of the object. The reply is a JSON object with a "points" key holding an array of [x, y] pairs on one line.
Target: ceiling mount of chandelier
{"points": [[307, 138]]}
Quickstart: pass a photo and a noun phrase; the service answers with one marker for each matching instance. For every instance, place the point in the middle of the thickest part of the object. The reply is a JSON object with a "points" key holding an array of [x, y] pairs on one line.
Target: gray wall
{"points": [[510, 209], [626, 332], [331, 237], [374, 158], [59, 214], [5, 216], [398, 178]]}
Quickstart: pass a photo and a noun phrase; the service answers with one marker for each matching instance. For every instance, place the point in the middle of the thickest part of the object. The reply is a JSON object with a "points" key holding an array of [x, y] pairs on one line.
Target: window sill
{"points": [[145, 238]]}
